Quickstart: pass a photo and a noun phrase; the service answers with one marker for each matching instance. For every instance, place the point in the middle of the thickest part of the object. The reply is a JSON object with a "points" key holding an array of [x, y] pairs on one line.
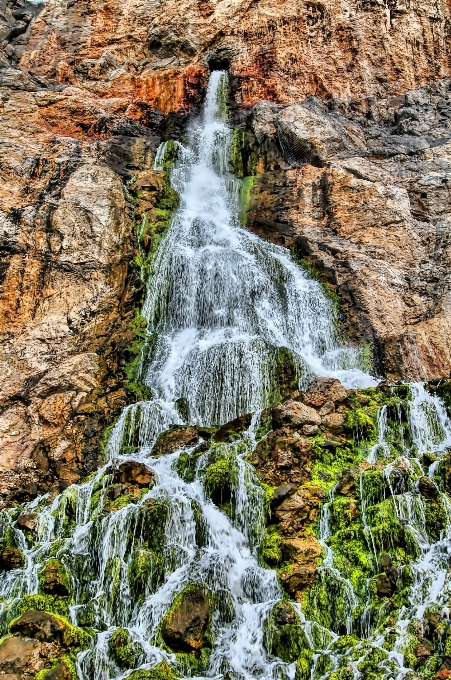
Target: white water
{"points": [[221, 302]]}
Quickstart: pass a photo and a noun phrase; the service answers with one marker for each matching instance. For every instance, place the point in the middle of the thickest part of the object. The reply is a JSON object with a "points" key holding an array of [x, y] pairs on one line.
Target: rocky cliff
{"points": [[342, 113]]}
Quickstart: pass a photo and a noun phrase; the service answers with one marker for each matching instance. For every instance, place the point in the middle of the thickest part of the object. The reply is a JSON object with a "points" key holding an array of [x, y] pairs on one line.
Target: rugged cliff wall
{"points": [[356, 180]]}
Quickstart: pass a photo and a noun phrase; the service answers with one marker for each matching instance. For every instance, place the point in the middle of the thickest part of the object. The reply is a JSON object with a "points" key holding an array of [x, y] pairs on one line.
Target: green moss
{"points": [[60, 569], [220, 478], [287, 641], [160, 672], [132, 368], [361, 424], [270, 552], [123, 648], [435, 516], [145, 573], [194, 664], [43, 603]]}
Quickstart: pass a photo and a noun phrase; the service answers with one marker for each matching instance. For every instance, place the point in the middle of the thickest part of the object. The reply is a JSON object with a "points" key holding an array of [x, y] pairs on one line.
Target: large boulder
{"points": [[174, 439], [295, 414], [53, 579], [323, 390], [133, 473], [185, 625], [16, 654], [47, 627], [306, 136]]}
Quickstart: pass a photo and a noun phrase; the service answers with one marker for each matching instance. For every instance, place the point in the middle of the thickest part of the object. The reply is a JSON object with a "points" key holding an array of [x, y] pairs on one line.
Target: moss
{"points": [[443, 390], [270, 552], [70, 667], [220, 479], [360, 423], [132, 368], [435, 516], [368, 667], [43, 603], [194, 664], [186, 465], [61, 570], [74, 638], [160, 672], [344, 642], [304, 665], [155, 515], [287, 641], [123, 648], [145, 573]]}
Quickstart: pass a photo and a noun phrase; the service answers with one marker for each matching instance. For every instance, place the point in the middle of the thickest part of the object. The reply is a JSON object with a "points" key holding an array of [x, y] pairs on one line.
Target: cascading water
{"points": [[220, 305]]}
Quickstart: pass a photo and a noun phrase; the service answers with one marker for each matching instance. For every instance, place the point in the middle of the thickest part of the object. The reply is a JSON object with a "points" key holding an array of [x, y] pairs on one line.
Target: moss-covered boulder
{"points": [[54, 579], [11, 558], [284, 635], [160, 672], [123, 648], [133, 473], [174, 439], [47, 627], [220, 479], [185, 626]]}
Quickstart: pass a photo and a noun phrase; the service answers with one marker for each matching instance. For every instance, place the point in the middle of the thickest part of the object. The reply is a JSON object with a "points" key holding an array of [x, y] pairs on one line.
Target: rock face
{"points": [[359, 188]]}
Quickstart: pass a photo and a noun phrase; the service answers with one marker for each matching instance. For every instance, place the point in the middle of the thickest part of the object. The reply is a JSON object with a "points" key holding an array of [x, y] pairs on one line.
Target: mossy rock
{"points": [[145, 573], [186, 626], [47, 627], [43, 603], [11, 558], [160, 672], [54, 579], [124, 650], [220, 479], [284, 636]]}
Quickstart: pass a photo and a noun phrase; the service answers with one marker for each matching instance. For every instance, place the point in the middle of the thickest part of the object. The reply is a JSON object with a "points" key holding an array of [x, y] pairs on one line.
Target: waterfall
{"points": [[220, 304]]}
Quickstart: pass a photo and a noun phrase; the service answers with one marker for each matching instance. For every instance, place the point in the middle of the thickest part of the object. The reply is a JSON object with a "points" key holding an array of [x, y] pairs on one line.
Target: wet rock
{"points": [[282, 492], [16, 653], [385, 561], [11, 558], [184, 627], [285, 615], [283, 457], [298, 579], [347, 484], [423, 650], [133, 473], [175, 439], [384, 586], [302, 551], [60, 672], [294, 414], [27, 521], [41, 626], [299, 509], [427, 488], [53, 579], [323, 390], [231, 430]]}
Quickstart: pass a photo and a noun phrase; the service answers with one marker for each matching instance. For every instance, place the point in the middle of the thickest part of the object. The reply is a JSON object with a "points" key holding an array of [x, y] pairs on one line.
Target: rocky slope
{"points": [[354, 179]]}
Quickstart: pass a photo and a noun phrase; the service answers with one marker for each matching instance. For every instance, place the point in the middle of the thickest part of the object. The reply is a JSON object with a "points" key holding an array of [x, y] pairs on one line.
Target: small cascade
{"points": [[221, 306]]}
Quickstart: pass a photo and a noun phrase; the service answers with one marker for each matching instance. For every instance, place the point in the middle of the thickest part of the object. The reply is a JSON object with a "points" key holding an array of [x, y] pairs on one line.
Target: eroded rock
{"points": [[184, 627]]}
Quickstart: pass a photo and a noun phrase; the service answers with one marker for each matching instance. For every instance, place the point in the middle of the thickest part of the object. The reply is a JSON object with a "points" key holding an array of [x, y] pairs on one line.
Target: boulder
{"points": [[303, 551], [306, 137], [423, 650], [52, 579], [282, 492], [41, 626], [384, 586], [323, 390], [334, 422], [175, 439], [347, 484], [230, 431], [27, 521], [427, 488], [298, 579], [184, 627], [11, 558], [15, 654], [133, 473], [60, 672], [444, 471], [294, 414]]}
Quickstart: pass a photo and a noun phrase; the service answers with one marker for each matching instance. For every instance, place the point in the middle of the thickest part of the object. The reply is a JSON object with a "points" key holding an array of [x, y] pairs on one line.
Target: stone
{"points": [[285, 615], [52, 581], [309, 429], [11, 558], [183, 629], [27, 520], [307, 137], [347, 484], [324, 390], [16, 653], [423, 650], [174, 439], [294, 414], [427, 488], [326, 409], [298, 580], [230, 431], [334, 422], [444, 471], [303, 551], [133, 473], [60, 672], [282, 492], [41, 626]]}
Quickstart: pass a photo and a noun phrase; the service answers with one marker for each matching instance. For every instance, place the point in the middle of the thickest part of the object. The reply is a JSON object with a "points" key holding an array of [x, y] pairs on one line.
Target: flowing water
{"points": [[220, 305]]}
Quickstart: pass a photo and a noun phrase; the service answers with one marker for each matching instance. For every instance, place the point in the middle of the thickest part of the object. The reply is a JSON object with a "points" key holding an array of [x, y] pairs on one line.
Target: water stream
{"points": [[220, 305]]}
